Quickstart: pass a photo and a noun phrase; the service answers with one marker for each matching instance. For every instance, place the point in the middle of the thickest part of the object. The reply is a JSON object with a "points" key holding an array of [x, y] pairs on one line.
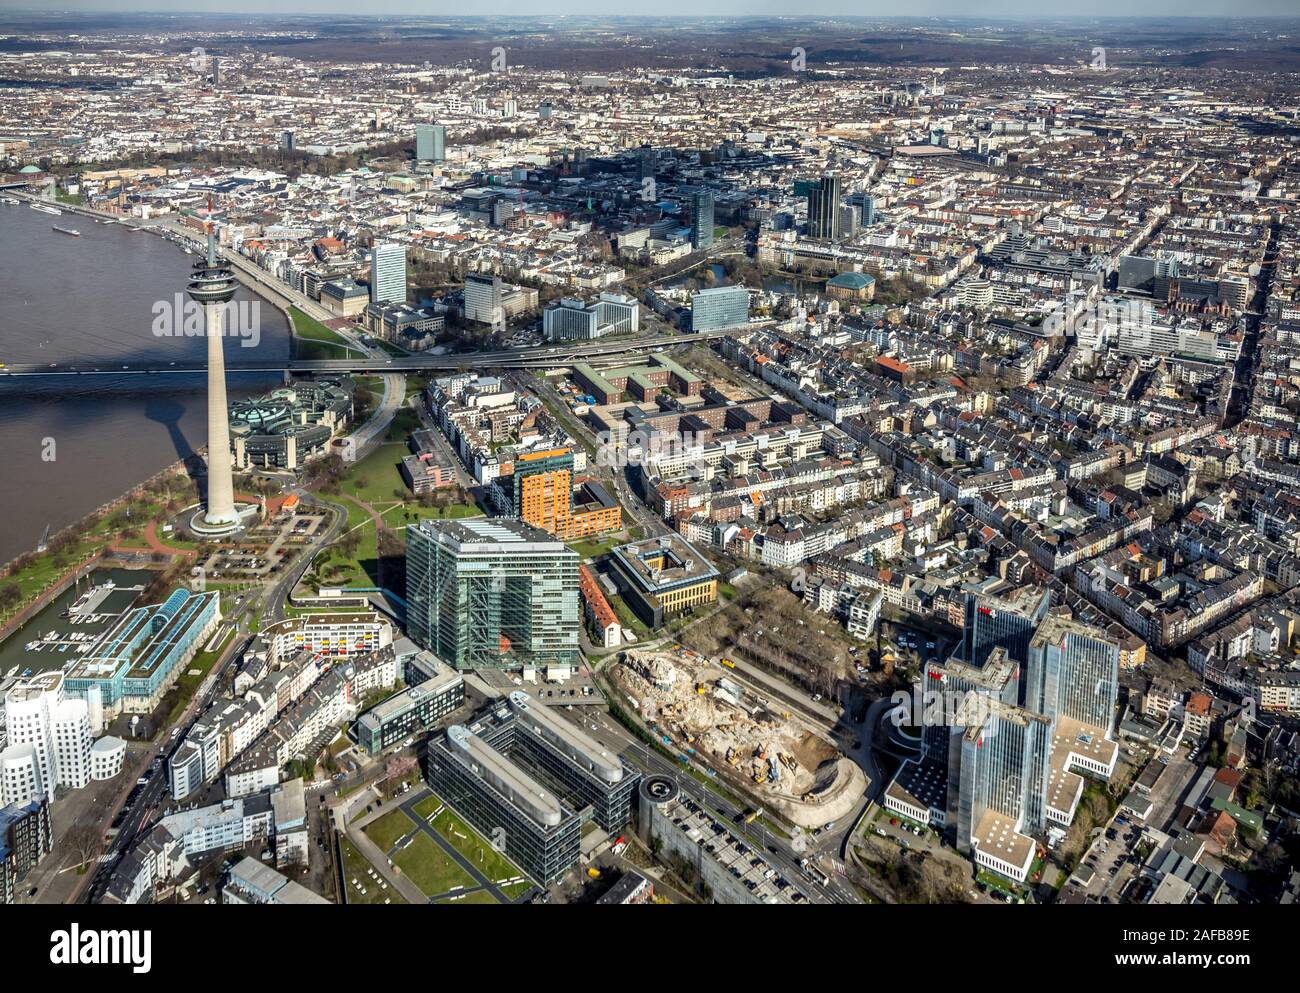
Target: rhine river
{"points": [[89, 302]]}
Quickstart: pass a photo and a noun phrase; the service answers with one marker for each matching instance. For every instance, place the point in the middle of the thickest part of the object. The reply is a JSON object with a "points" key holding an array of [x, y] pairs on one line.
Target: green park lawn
{"points": [[313, 340], [386, 831], [354, 867], [477, 896], [471, 844], [429, 867]]}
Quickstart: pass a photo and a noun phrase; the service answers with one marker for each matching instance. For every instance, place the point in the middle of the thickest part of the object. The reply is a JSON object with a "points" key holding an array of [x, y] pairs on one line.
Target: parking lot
{"points": [[1110, 865]]}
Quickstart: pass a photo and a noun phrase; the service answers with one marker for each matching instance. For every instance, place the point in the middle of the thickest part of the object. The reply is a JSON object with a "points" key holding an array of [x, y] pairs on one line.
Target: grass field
{"points": [[356, 867], [191, 677], [313, 340], [404, 422], [376, 481], [471, 844], [594, 549], [429, 867], [477, 896], [38, 574], [386, 831], [627, 619]]}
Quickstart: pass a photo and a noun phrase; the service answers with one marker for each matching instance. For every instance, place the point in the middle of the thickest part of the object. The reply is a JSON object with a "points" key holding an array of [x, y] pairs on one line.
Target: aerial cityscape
{"points": [[816, 459]]}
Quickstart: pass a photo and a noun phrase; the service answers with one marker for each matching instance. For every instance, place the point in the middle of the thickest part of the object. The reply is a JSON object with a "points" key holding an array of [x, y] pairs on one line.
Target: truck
{"points": [[728, 663]]}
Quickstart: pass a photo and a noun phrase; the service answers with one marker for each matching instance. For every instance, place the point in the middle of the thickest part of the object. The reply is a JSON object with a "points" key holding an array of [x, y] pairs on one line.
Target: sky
{"points": [[713, 8]]}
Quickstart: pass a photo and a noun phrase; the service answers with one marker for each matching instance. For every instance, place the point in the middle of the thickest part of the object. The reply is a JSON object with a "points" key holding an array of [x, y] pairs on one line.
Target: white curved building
{"points": [[57, 729], [70, 729], [20, 774], [106, 757]]}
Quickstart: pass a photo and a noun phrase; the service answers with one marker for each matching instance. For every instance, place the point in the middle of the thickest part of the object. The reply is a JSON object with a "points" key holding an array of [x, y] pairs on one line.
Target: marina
{"points": [[69, 625]]}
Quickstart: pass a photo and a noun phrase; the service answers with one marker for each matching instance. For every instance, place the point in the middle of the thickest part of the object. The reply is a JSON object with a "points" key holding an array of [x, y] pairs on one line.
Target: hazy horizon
{"points": [[1021, 10]]}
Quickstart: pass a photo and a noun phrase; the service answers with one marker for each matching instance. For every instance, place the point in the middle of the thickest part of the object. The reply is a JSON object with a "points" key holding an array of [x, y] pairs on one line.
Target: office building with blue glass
{"points": [[1003, 780], [136, 661], [720, 307], [388, 273]]}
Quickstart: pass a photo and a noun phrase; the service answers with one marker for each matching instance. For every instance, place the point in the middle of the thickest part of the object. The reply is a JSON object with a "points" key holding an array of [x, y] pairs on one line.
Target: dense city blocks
{"points": [[813, 458]]}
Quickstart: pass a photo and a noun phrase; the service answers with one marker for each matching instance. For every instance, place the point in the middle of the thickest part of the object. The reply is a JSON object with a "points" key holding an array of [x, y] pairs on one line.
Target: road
{"points": [[140, 817], [152, 796], [367, 435], [1244, 370], [440, 442], [279, 595]]}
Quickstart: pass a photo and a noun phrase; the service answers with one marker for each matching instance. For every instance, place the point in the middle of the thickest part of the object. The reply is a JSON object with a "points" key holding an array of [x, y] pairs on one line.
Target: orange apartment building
{"points": [[546, 499]]}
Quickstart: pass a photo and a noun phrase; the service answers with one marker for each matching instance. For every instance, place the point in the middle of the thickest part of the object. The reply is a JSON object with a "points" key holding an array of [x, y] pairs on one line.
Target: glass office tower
{"points": [[824, 208], [701, 208], [492, 594], [1004, 766], [430, 142], [1004, 622], [1073, 672], [388, 273], [720, 307]]}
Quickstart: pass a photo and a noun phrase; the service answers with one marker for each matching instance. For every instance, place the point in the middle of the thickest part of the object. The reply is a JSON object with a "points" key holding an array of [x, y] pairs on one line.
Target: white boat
{"points": [[46, 209], [11, 672]]}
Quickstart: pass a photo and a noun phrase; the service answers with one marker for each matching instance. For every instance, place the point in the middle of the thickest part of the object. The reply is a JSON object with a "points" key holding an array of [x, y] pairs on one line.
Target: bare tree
{"points": [[84, 840]]}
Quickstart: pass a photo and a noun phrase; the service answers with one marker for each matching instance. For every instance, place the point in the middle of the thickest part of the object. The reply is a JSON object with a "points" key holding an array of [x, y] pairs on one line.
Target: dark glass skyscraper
{"points": [[1003, 622], [824, 208], [701, 208]]}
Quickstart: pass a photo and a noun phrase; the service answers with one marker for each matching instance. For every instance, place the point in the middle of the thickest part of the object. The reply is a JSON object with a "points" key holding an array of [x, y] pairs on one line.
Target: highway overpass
{"points": [[539, 357]]}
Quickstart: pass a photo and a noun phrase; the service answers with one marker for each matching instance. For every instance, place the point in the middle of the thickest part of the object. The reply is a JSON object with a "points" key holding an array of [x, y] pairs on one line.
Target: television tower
{"points": [[213, 285]]}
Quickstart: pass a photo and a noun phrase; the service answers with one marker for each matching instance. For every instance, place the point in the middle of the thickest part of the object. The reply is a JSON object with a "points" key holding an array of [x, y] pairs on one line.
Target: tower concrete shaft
{"points": [[221, 487]]}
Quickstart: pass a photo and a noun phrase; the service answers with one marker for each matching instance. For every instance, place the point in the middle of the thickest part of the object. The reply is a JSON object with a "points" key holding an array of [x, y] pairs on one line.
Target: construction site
{"points": [[698, 708]]}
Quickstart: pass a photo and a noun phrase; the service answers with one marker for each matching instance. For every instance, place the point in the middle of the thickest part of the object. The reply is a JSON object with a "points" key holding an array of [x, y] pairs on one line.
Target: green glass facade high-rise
{"points": [[430, 142], [701, 209], [492, 593]]}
